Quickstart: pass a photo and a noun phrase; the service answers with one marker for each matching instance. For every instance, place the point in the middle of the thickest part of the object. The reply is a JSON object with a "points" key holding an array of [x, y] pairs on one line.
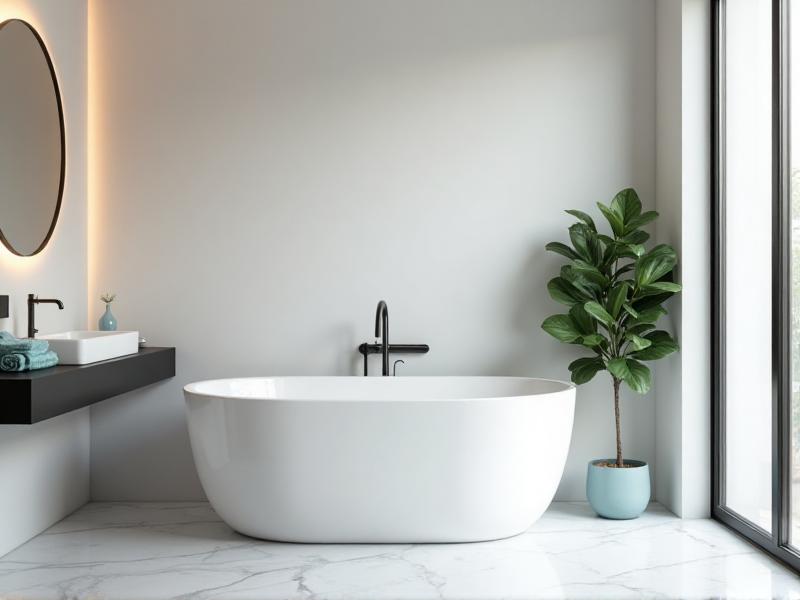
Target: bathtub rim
{"points": [[187, 389]]}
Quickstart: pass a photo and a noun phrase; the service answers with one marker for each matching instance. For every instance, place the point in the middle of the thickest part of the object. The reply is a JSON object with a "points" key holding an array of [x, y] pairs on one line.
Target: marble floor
{"points": [[179, 550]]}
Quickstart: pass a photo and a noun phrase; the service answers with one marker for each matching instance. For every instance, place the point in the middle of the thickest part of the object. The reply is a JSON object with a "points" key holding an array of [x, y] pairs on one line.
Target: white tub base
{"points": [[372, 460]]}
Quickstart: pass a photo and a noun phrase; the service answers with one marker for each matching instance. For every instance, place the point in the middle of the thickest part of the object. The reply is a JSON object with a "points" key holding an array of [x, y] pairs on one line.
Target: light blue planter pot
{"points": [[618, 493], [108, 322]]}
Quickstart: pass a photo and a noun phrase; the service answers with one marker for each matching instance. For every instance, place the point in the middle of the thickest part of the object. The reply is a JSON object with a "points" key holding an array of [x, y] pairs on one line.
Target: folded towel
{"points": [[11, 345], [28, 362]]}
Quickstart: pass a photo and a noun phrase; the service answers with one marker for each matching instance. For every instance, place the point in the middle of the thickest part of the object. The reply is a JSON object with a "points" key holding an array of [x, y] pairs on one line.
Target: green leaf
{"points": [[583, 217], [578, 281], [638, 343], [664, 286], [636, 237], [653, 265], [613, 219], [561, 327], [636, 249], [610, 256], [595, 247], [640, 328], [623, 269], [584, 369], [640, 221], [598, 312], [618, 367], [616, 298], [652, 301], [583, 322], [590, 272], [561, 249], [647, 291], [564, 292], [578, 235], [625, 251], [592, 340], [630, 310], [607, 240], [661, 345], [650, 315], [627, 206], [638, 378]]}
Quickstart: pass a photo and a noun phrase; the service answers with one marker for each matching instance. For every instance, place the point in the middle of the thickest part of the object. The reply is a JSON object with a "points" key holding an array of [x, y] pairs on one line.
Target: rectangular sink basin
{"points": [[84, 347]]}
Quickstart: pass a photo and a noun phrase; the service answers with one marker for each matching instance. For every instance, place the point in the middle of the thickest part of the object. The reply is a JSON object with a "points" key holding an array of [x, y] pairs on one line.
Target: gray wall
{"points": [[668, 204], [265, 172], [44, 468]]}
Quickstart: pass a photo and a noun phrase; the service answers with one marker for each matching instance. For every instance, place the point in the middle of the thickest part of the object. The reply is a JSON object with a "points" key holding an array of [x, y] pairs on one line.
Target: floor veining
{"points": [[183, 550]]}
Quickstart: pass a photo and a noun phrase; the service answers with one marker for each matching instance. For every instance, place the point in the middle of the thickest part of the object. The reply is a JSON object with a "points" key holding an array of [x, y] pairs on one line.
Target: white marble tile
{"points": [[178, 550]]}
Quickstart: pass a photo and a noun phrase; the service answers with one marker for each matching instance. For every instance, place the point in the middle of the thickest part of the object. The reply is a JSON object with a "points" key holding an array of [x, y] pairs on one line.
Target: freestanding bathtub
{"points": [[380, 459]]}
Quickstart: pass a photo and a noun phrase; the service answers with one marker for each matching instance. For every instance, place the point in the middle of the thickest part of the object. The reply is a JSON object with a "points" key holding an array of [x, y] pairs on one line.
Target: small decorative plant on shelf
{"points": [[615, 290], [108, 322]]}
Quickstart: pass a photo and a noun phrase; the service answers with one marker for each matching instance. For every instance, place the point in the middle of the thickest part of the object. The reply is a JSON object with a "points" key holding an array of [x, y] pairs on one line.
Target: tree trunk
{"points": [[616, 418]]}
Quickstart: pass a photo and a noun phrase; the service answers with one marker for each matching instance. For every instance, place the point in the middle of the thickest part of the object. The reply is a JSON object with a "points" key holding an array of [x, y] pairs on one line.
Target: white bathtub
{"points": [[380, 459]]}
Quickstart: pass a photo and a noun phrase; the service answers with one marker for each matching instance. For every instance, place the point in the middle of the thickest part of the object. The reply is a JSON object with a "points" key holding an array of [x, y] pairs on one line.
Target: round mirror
{"points": [[31, 140]]}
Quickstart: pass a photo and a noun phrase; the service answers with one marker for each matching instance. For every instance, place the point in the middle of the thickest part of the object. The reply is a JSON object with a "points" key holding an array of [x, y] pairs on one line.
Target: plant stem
{"points": [[616, 417]]}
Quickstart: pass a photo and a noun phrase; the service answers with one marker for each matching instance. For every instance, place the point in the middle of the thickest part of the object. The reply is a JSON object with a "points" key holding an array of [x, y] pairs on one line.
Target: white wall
{"points": [[265, 172], [44, 469], [683, 198], [696, 252]]}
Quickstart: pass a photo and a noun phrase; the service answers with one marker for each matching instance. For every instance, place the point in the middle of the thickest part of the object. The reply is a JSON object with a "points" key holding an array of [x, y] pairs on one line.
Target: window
{"points": [[793, 229], [747, 180], [756, 370]]}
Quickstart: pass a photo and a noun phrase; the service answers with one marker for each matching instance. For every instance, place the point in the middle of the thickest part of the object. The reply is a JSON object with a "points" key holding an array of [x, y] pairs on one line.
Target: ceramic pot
{"points": [[618, 493]]}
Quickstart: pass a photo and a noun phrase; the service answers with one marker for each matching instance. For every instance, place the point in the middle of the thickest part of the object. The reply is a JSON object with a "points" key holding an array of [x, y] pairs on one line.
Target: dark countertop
{"points": [[33, 396]]}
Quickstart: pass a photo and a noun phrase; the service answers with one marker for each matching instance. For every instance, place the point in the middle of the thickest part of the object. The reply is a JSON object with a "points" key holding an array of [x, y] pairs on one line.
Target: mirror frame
{"points": [[61, 178]]}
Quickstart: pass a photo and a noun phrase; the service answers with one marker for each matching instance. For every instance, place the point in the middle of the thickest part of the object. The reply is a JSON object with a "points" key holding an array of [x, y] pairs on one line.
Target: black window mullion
{"points": [[781, 281], [717, 256]]}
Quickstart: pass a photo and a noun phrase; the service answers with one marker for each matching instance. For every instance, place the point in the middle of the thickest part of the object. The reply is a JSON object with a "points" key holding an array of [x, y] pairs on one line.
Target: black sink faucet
{"points": [[382, 331], [32, 302]]}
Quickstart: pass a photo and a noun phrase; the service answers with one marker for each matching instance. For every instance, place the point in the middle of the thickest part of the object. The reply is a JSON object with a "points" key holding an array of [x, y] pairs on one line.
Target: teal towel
{"points": [[28, 362], [11, 345]]}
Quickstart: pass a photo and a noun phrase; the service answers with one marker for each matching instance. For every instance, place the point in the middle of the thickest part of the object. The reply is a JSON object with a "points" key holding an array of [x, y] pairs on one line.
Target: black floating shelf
{"points": [[34, 396]]}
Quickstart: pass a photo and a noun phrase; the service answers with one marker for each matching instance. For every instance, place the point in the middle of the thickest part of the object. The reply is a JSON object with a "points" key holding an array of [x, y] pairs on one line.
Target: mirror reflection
{"points": [[31, 140]]}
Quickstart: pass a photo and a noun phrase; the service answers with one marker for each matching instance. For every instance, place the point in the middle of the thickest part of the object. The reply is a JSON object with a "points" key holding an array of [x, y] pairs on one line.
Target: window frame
{"points": [[776, 542]]}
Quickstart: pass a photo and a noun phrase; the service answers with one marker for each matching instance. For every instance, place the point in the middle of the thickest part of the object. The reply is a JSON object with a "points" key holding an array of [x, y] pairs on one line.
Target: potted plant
{"points": [[615, 290]]}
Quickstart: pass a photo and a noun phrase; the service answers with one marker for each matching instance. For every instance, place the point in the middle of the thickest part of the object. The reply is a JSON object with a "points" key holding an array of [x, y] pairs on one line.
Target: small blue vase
{"points": [[108, 322], [618, 493]]}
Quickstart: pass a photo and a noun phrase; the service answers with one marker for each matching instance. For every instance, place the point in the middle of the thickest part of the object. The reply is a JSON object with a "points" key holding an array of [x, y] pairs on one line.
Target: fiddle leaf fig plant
{"points": [[614, 288]]}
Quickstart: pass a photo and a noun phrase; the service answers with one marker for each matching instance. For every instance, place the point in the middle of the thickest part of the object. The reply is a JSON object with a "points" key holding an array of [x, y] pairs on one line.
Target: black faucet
{"points": [[32, 302], [382, 331], [384, 348]]}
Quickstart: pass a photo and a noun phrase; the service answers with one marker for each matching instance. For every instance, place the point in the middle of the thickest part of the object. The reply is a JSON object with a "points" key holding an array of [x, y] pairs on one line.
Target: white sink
{"points": [[83, 347]]}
